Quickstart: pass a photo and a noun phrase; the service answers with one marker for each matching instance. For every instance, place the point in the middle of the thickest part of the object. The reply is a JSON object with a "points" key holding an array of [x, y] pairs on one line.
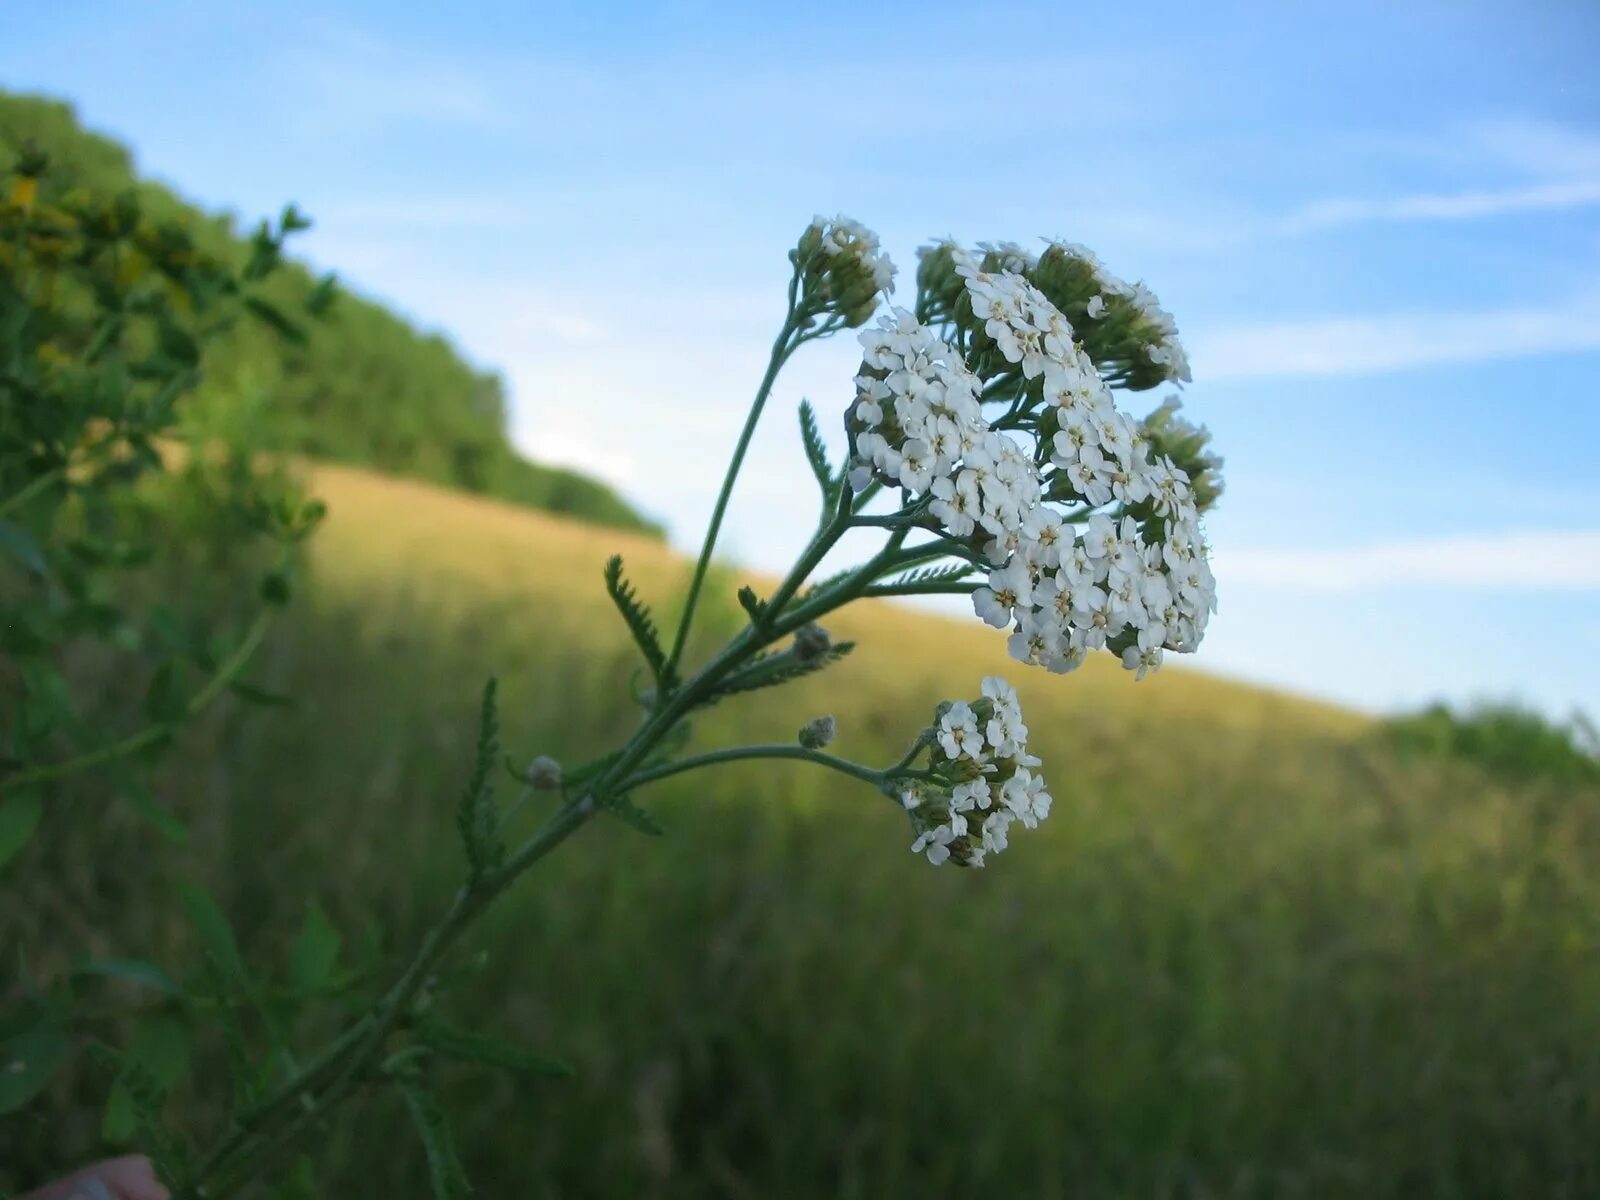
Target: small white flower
{"points": [[958, 732]]}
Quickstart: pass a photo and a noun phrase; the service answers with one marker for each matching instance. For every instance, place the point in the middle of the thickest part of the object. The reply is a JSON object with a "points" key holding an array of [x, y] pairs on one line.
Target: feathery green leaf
{"points": [[639, 622], [816, 450], [475, 816]]}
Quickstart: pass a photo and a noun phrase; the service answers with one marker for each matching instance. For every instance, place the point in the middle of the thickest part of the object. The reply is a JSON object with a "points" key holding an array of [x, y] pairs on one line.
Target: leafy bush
{"points": [[366, 387], [1508, 740]]}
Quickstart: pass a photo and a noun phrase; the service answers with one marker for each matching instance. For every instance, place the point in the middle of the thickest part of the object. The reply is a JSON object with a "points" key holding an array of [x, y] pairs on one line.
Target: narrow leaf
{"points": [[215, 933], [445, 1171], [136, 794], [269, 314], [465, 1046], [133, 970], [630, 813], [316, 950], [28, 1062], [19, 817], [21, 545], [260, 695], [160, 1044]]}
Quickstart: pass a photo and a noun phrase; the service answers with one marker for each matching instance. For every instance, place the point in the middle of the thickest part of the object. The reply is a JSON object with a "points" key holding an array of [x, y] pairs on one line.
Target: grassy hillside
{"points": [[1253, 952], [367, 386]]}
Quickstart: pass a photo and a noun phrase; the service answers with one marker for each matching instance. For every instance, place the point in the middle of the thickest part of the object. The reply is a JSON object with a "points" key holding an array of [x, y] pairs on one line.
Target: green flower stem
{"points": [[826, 538], [306, 1099], [242, 1155], [784, 750], [145, 737], [40, 484], [783, 346]]}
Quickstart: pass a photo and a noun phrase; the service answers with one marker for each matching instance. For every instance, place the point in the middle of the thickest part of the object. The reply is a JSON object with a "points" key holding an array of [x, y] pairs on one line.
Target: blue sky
{"points": [[1378, 226]]}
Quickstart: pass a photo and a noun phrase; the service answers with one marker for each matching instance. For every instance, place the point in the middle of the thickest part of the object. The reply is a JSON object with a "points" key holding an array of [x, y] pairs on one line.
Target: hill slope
{"points": [[368, 387], [1252, 953]]}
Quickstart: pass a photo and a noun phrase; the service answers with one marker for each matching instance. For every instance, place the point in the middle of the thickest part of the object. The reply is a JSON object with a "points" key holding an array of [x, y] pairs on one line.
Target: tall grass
{"points": [[1254, 952]]}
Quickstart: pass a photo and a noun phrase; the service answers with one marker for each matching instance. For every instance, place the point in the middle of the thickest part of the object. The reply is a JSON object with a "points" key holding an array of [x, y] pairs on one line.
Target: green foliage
{"points": [[105, 314], [19, 817], [445, 1172], [361, 385], [469, 1047], [1277, 958], [640, 623], [927, 575], [476, 817], [28, 1062], [1510, 741], [316, 951], [625, 810], [774, 670], [816, 451]]}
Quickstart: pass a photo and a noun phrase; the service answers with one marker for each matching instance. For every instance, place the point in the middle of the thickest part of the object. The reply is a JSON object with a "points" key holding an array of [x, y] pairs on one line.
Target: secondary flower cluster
{"points": [[983, 780], [843, 270], [1132, 578]]}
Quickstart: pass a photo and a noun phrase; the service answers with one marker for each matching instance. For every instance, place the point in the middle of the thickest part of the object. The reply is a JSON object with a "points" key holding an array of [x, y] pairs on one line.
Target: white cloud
{"points": [[1528, 560], [1396, 341], [1545, 197]]}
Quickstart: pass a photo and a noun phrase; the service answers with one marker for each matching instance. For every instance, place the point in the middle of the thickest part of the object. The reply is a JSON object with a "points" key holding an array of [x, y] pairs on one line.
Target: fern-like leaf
{"points": [[775, 670], [629, 813], [639, 622], [933, 575], [816, 450], [476, 819]]}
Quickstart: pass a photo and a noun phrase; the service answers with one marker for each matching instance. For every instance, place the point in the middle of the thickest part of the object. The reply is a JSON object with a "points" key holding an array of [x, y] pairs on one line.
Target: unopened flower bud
{"points": [[811, 644], [843, 269], [544, 774], [818, 733]]}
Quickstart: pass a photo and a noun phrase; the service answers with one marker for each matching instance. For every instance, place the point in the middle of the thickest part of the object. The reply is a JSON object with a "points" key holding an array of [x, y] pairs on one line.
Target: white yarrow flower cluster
{"points": [[1134, 580], [985, 781]]}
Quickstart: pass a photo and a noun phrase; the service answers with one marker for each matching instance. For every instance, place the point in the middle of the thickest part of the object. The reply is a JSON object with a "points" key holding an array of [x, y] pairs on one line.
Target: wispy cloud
{"points": [[1392, 342], [1457, 206], [1518, 561]]}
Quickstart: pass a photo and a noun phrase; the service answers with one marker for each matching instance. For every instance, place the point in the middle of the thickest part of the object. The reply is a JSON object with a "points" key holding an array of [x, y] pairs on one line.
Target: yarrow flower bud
{"points": [[544, 774], [843, 271], [983, 780], [816, 734], [811, 644]]}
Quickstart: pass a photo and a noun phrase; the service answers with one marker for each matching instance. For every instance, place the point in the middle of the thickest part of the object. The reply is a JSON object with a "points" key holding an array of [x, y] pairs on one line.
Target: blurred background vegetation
{"points": [[1264, 947], [366, 387]]}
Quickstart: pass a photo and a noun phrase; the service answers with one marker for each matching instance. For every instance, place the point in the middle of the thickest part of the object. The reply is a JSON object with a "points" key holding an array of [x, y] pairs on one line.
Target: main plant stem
{"points": [[782, 347], [267, 1130]]}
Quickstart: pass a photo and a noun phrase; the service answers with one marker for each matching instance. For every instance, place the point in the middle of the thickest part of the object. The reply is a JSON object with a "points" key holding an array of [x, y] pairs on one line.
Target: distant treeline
{"points": [[365, 386]]}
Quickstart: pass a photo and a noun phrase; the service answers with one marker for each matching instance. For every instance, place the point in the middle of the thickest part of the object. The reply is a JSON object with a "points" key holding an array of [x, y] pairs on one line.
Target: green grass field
{"points": [[1253, 952]]}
